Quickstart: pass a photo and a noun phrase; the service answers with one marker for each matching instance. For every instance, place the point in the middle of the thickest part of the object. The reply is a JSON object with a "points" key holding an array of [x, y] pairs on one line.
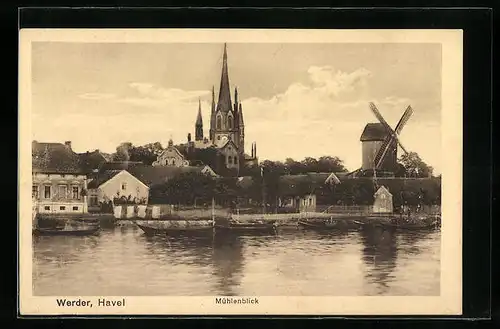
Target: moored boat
{"points": [[70, 231], [328, 224], [157, 227], [246, 226]]}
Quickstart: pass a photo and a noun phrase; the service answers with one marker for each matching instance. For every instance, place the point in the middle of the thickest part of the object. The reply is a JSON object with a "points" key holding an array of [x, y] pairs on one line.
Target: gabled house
{"points": [[59, 184], [111, 185], [171, 156], [382, 201]]}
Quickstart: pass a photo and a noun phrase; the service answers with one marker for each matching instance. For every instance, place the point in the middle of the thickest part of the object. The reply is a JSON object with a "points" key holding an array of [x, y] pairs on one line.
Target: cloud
{"points": [[153, 96], [97, 96], [326, 116]]}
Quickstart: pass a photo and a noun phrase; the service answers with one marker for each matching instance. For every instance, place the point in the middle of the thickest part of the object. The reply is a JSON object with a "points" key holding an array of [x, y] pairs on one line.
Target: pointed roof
{"points": [[224, 103], [240, 116], [199, 119]]}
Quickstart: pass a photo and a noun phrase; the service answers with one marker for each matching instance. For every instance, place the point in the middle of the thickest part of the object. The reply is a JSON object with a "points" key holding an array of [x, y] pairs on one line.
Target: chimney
{"points": [[68, 144], [189, 138]]}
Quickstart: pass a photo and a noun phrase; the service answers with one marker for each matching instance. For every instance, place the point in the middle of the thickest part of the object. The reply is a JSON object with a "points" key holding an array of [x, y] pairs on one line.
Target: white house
{"points": [[382, 201], [112, 184], [59, 184]]}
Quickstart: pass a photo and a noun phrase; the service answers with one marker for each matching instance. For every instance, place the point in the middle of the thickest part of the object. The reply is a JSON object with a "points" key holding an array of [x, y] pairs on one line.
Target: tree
{"points": [[415, 166], [186, 189], [330, 164], [122, 152]]}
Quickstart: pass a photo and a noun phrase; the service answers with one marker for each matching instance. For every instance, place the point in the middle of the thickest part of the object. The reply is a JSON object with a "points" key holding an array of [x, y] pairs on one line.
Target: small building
{"points": [[59, 184], [382, 201], [171, 156], [228, 152], [115, 184]]}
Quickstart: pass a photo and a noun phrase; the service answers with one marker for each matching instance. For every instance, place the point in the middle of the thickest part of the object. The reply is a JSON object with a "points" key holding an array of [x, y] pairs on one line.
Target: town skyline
{"points": [[295, 105]]}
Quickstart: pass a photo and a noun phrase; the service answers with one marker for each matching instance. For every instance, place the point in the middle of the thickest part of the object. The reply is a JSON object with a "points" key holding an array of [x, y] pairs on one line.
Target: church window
{"points": [[230, 159], [218, 124], [230, 122], [235, 160]]}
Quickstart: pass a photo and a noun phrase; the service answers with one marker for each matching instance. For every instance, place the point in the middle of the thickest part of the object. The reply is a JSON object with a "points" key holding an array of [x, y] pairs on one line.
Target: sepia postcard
{"points": [[240, 172]]}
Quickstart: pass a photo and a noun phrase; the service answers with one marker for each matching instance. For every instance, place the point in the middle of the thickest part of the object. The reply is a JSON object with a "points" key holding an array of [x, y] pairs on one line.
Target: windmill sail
{"points": [[391, 132]]}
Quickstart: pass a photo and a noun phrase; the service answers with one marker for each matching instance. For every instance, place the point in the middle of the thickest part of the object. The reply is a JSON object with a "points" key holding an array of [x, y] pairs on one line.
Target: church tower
{"points": [[225, 118], [199, 124]]}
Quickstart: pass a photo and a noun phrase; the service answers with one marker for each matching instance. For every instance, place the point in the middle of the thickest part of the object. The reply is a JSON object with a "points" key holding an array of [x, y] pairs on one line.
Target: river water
{"points": [[122, 261]]}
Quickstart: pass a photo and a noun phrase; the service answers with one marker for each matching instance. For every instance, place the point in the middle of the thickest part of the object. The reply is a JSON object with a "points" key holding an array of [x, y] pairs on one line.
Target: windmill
{"points": [[392, 135], [380, 141]]}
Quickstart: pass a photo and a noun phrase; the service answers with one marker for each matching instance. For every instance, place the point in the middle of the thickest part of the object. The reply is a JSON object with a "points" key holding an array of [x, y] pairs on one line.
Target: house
{"points": [[228, 152], [115, 184], [382, 201], [59, 184], [171, 156], [90, 162]]}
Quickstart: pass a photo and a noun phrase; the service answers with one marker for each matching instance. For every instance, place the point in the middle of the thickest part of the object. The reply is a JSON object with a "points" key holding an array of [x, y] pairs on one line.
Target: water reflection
{"points": [[380, 253], [180, 249], [125, 261], [228, 262]]}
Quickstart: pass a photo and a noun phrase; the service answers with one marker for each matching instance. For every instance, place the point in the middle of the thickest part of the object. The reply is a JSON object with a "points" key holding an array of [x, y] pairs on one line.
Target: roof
{"points": [[156, 175], [92, 160], [374, 132], [119, 165], [102, 178], [54, 158], [224, 104]]}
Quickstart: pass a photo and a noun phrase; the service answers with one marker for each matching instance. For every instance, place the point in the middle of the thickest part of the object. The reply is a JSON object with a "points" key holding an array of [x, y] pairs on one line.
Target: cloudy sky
{"points": [[298, 99]]}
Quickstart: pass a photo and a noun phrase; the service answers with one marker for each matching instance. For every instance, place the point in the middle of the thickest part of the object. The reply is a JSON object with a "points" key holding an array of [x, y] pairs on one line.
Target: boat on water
{"points": [[327, 224], [173, 227], [83, 230], [412, 223], [251, 226]]}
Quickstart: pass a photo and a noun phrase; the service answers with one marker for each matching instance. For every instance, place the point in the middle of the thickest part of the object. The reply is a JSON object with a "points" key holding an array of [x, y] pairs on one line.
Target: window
{"points": [[230, 159], [34, 191], [124, 186], [46, 207], [235, 160], [63, 190], [218, 138], [230, 122], [75, 208], [46, 193], [218, 124], [62, 208], [93, 200], [75, 192]]}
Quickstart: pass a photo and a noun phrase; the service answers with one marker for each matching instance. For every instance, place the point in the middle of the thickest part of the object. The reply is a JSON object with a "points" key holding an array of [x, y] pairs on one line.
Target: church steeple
{"points": [[224, 103], [199, 124]]}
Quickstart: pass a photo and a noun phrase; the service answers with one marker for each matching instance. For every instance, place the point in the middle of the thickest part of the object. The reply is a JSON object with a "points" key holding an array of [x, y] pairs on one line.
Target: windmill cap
{"points": [[374, 132]]}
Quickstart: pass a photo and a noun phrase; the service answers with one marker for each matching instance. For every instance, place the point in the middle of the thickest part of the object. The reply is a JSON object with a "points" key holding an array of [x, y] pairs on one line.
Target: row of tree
{"points": [[197, 189], [409, 165]]}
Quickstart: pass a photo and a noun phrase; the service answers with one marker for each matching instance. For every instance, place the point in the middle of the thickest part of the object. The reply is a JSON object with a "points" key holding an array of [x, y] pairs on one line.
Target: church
{"points": [[227, 127]]}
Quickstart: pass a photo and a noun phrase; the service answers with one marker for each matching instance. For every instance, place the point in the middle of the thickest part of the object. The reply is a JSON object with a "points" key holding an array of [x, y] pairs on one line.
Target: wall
{"points": [[229, 151], [133, 187], [57, 203]]}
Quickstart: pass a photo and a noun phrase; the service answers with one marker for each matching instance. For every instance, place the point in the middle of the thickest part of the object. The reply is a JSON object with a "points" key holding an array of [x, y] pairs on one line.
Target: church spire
{"points": [[224, 103], [199, 124], [199, 119]]}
